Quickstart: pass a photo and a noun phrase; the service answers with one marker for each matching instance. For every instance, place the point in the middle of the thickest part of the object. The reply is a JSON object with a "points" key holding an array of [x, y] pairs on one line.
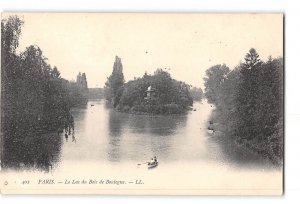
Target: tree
{"points": [[171, 96], [78, 91], [247, 96], [249, 104], [197, 94], [215, 75], [79, 78], [10, 33], [34, 98], [115, 83], [251, 59], [55, 73], [84, 81]]}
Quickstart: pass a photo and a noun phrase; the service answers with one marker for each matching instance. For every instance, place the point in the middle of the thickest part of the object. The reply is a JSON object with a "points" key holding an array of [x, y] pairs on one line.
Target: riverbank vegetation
{"points": [[96, 93], [150, 94], [34, 97], [249, 104], [197, 94]]}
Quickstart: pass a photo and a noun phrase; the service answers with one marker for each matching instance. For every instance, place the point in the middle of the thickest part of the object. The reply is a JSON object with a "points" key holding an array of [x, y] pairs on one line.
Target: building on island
{"points": [[150, 93]]}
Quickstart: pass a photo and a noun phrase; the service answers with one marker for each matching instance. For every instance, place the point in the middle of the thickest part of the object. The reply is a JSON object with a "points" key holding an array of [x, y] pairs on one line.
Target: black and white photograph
{"points": [[142, 103]]}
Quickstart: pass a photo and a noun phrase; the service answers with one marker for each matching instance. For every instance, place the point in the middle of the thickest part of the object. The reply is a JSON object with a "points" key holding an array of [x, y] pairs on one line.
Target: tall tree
{"points": [[84, 81], [251, 59], [115, 83], [10, 33], [10, 63], [79, 78], [249, 105], [78, 90], [34, 98], [248, 94]]}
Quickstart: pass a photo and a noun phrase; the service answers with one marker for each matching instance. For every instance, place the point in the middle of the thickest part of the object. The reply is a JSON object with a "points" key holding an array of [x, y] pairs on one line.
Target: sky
{"points": [[185, 44]]}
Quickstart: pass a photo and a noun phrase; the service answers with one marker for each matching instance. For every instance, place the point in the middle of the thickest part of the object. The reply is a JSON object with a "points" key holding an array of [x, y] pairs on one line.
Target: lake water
{"points": [[111, 144], [103, 134], [110, 137]]}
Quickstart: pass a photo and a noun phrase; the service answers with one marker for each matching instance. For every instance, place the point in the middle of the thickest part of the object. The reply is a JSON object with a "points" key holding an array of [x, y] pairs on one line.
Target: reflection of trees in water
{"points": [[157, 125], [232, 153], [79, 115], [39, 148], [160, 133], [156, 134], [115, 124], [36, 151], [238, 156]]}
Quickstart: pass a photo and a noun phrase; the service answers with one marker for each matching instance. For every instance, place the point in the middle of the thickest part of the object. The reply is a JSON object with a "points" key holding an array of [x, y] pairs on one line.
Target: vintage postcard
{"points": [[142, 103]]}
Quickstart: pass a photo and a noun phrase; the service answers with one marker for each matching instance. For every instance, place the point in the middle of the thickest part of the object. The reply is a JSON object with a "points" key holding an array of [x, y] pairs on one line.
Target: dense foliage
{"points": [[197, 94], [215, 76], [78, 91], [169, 96], [34, 97], [96, 93], [249, 104]]}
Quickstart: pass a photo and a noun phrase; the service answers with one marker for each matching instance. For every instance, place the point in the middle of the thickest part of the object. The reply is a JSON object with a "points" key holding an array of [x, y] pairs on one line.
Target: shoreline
{"points": [[184, 112], [221, 134]]}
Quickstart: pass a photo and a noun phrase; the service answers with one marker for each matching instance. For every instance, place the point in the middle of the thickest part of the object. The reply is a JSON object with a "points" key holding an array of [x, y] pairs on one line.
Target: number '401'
{"points": [[25, 182]]}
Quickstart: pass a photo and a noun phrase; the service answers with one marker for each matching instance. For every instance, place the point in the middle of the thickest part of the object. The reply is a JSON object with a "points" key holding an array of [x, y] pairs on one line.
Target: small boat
{"points": [[152, 165], [210, 131]]}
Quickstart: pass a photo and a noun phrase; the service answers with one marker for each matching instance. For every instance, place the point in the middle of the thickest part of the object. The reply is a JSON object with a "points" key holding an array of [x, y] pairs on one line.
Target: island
{"points": [[158, 93]]}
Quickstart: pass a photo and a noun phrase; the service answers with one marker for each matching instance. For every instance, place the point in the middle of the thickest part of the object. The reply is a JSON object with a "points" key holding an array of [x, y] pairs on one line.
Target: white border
{"points": [[292, 82]]}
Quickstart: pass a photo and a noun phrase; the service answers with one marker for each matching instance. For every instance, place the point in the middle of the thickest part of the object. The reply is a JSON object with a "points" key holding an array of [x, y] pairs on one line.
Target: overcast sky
{"points": [[186, 44]]}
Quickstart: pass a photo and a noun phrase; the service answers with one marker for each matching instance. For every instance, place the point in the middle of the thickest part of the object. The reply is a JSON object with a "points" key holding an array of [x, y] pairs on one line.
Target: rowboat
{"points": [[152, 164]]}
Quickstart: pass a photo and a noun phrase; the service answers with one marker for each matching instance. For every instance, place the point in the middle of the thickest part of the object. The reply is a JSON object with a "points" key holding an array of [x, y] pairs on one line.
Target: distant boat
{"points": [[92, 105], [210, 131], [152, 165]]}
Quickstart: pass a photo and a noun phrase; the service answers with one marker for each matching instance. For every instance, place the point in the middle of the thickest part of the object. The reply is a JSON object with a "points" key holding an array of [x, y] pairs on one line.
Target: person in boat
{"points": [[151, 161]]}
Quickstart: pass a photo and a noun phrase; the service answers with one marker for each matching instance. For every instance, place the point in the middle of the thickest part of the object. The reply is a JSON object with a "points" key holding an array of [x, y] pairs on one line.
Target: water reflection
{"points": [[156, 125], [39, 152], [106, 136], [115, 127], [139, 137], [239, 157]]}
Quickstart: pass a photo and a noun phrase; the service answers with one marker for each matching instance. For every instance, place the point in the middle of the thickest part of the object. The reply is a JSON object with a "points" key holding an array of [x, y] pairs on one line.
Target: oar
{"points": [[142, 163]]}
